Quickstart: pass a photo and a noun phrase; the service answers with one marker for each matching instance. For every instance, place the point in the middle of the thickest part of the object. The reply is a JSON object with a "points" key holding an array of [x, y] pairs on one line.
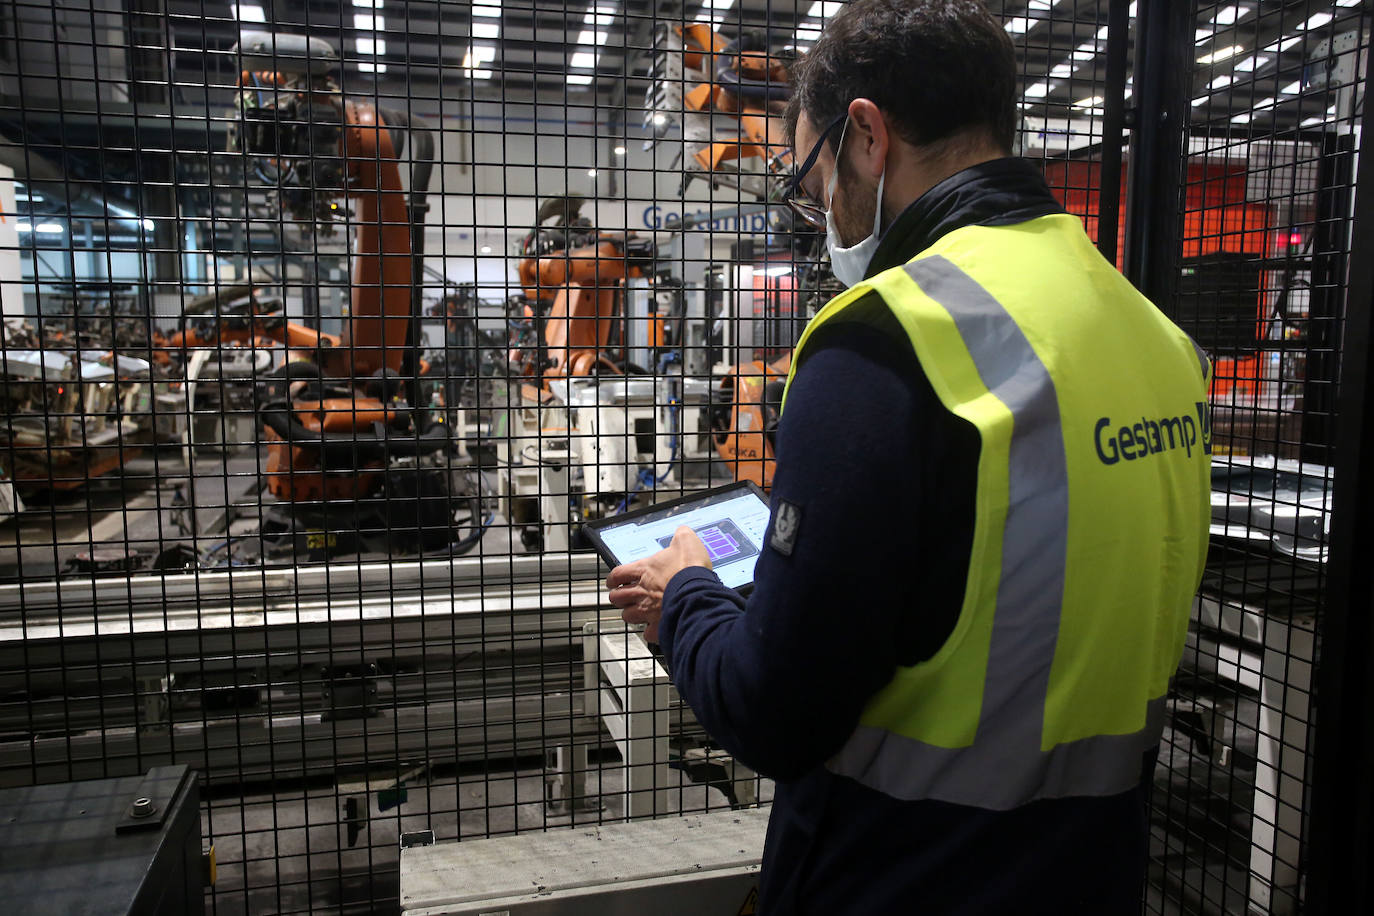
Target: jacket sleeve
{"points": [[780, 681]]}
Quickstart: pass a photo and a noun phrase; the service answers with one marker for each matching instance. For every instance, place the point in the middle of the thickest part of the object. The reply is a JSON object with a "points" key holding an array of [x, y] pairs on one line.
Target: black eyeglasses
{"points": [[804, 205]]}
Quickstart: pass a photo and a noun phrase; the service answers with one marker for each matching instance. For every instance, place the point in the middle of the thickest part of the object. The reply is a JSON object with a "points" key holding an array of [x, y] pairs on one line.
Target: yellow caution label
{"points": [[750, 907]]}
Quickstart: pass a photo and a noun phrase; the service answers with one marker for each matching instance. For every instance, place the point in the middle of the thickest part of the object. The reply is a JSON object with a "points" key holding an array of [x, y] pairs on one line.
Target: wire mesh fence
{"points": [[1277, 95], [327, 328]]}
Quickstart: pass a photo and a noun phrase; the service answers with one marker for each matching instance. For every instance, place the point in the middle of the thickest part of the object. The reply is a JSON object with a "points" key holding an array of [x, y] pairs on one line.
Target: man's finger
{"points": [[628, 596], [638, 613], [690, 546], [627, 574], [684, 534]]}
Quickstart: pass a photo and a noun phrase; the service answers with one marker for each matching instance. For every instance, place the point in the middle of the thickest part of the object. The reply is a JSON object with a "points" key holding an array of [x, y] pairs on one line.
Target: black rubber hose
{"points": [[344, 449], [754, 90], [757, 90], [422, 168], [280, 378]]}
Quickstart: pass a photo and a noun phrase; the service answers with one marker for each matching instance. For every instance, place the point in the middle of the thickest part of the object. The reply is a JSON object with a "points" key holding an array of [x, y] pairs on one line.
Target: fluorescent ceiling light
{"points": [[488, 9], [49, 228], [593, 35], [478, 55], [1091, 102], [1200, 100], [486, 30], [1220, 54], [1037, 91], [1292, 88], [369, 45], [599, 17], [712, 11], [23, 227], [1253, 62], [1018, 25], [1230, 15], [808, 33], [370, 4], [248, 12], [781, 270], [1062, 70], [1317, 21], [822, 9], [660, 119], [1221, 82], [1283, 45], [1245, 116], [1312, 122], [486, 249], [619, 150]]}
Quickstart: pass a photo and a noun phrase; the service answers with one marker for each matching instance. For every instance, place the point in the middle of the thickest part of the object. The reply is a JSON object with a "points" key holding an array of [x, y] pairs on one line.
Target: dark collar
{"points": [[995, 193]]}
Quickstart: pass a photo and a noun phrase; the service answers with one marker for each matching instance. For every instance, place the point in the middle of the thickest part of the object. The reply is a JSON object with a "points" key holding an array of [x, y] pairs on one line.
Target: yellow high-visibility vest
{"points": [[1091, 522]]}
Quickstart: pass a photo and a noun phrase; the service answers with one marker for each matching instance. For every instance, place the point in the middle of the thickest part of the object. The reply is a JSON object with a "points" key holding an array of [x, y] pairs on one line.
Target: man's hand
{"points": [[637, 588]]}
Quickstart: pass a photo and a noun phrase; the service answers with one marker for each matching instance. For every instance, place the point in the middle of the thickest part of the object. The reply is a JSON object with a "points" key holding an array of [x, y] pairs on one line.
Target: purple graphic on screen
{"points": [[723, 540]]}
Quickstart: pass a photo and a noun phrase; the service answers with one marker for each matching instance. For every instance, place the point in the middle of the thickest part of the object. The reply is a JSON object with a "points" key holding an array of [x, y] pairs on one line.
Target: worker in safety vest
{"points": [[989, 515]]}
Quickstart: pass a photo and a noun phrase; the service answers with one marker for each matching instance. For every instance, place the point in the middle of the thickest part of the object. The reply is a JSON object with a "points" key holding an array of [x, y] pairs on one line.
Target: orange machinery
{"points": [[338, 395], [697, 74], [342, 409], [573, 278], [739, 78]]}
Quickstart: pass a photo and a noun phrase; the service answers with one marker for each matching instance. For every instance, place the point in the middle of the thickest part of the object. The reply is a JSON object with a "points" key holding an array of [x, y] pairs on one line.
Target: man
{"points": [[989, 514]]}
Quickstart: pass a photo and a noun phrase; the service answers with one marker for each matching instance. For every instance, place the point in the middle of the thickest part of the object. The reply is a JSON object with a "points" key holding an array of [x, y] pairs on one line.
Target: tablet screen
{"points": [[731, 524]]}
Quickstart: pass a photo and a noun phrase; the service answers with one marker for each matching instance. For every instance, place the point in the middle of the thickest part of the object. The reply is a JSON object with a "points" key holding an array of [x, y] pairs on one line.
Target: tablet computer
{"points": [[731, 521]]}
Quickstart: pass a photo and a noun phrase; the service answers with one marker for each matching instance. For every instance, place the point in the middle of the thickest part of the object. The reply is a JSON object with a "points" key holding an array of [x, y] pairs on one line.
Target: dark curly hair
{"points": [[941, 70]]}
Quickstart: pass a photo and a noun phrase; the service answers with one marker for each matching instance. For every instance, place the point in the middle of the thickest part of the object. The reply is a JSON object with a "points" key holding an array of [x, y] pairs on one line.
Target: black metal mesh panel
{"points": [[328, 326], [1267, 205]]}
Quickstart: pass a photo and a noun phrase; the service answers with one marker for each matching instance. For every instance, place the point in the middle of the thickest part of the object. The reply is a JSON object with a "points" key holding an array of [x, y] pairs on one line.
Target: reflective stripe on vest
{"points": [[995, 720], [1007, 773]]}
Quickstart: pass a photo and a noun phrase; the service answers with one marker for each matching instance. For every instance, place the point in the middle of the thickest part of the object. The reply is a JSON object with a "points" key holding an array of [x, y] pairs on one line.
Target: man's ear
{"points": [[868, 138]]}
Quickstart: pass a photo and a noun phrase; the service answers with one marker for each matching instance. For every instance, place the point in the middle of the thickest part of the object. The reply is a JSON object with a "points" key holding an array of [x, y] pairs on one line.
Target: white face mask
{"points": [[850, 264]]}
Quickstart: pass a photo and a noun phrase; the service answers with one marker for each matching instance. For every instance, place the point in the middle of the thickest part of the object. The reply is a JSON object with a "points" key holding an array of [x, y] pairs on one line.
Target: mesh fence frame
{"points": [[429, 647]]}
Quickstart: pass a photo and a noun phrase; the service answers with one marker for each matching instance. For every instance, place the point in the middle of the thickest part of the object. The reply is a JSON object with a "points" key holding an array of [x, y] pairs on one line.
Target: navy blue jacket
{"points": [[884, 478]]}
